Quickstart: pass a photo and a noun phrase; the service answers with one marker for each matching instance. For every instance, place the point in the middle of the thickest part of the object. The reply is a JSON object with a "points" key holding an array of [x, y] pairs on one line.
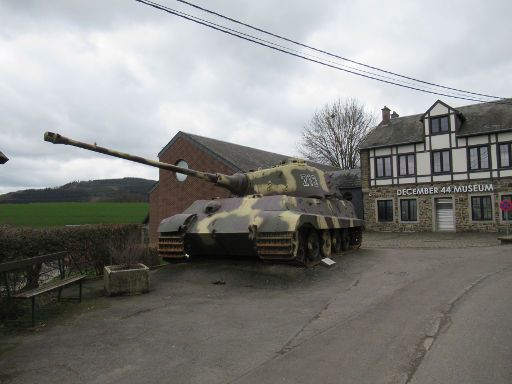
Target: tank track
{"points": [[275, 246], [171, 246]]}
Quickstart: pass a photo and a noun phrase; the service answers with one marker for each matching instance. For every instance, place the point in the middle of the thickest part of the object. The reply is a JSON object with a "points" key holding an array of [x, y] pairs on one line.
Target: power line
{"points": [[288, 51], [308, 54], [329, 53], [185, 15]]}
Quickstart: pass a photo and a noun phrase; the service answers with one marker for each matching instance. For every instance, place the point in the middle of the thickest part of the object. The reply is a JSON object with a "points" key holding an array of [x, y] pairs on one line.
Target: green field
{"points": [[55, 214]]}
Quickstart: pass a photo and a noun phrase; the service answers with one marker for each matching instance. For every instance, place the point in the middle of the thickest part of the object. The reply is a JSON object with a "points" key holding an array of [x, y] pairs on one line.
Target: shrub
{"points": [[88, 244], [131, 252]]}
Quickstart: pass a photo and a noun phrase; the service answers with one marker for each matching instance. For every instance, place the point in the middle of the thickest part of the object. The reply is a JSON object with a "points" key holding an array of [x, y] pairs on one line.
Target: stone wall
{"points": [[425, 205]]}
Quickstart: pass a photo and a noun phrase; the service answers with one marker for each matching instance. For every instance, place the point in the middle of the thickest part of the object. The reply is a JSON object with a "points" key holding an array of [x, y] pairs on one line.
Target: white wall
{"points": [[459, 160], [406, 148], [423, 163], [440, 142], [475, 140], [505, 136], [439, 109]]}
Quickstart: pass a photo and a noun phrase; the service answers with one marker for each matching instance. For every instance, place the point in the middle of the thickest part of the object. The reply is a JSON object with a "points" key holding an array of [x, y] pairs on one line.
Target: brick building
{"points": [[175, 192], [446, 169]]}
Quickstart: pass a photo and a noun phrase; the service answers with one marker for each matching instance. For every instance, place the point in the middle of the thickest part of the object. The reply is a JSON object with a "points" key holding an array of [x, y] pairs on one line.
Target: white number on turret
{"points": [[309, 180]]}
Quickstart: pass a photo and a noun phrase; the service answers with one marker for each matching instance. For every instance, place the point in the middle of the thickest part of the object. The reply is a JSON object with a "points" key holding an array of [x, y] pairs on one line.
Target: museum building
{"points": [[447, 169]]}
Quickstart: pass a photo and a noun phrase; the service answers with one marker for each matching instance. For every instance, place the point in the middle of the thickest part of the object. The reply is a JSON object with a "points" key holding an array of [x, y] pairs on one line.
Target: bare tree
{"points": [[334, 134]]}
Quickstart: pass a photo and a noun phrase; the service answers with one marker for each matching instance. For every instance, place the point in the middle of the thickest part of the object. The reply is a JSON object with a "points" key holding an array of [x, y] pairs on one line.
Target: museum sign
{"points": [[447, 189]]}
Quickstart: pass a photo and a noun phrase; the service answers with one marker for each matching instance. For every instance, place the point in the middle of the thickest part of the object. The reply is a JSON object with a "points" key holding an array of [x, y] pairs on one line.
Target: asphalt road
{"points": [[380, 316]]}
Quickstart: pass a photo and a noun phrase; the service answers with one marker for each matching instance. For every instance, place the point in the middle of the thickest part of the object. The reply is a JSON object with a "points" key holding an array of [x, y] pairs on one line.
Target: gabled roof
{"points": [[476, 119], [435, 104], [238, 157]]}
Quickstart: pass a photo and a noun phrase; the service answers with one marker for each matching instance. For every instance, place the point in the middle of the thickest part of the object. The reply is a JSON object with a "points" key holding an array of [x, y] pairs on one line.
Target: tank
{"points": [[288, 212]]}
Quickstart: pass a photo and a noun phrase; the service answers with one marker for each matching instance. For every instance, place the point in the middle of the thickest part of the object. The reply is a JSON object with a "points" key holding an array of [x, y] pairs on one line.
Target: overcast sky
{"points": [[129, 77]]}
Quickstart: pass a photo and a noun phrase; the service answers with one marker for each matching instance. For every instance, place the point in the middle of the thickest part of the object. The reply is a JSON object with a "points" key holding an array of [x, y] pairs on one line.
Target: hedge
{"points": [[89, 245]]}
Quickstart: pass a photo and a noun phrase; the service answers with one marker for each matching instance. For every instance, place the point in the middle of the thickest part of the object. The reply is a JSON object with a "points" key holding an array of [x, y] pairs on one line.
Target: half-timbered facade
{"points": [[447, 169]]}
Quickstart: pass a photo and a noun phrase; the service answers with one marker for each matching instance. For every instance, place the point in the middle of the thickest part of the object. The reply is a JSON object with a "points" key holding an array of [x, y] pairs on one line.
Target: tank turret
{"points": [[293, 177]]}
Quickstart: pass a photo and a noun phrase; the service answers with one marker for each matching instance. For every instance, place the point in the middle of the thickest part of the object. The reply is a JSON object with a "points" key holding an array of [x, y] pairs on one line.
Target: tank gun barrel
{"points": [[236, 183]]}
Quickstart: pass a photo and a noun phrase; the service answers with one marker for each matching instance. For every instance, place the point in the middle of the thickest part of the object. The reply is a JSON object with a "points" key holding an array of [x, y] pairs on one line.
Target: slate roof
{"points": [[477, 119], [486, 118], [399, 130], [3, 158], [238, 157], [345, 178]]}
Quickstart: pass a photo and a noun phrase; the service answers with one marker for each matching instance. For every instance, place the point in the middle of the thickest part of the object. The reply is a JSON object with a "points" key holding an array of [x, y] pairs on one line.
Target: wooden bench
{"points": [[31, 277]]}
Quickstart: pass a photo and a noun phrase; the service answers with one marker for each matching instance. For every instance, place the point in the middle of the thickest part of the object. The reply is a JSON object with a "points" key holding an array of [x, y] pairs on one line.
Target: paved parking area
{"points": [[373, 318]]}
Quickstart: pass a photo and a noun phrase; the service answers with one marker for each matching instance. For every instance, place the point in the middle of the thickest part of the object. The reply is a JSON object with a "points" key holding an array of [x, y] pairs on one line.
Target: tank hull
{"points": [[269, 227]]}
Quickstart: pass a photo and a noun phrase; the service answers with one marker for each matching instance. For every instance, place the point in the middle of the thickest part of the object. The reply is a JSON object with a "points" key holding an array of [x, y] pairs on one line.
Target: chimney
{"points": [[385, 114], [394, 115]]}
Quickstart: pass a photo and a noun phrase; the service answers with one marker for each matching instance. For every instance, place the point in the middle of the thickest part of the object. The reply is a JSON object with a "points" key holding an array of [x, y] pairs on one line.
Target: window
{"points": [[408, 210], [503, 213], [181, 176], [407, 165], [383, 165], [441, 161], [385, 210], [439, 125], [505, 155], [347, 196], [481, 208], [478, 157]]}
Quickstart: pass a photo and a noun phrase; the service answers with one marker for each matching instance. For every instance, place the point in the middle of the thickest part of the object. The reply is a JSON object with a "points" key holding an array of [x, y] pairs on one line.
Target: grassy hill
{"points": [[128, 189]]}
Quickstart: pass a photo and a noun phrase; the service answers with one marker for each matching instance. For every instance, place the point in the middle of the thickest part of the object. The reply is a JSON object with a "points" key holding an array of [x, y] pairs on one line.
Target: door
{"points": [[444, 215]]}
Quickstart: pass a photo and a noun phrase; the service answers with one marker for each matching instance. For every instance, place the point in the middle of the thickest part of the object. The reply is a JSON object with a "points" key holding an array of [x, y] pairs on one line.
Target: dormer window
{"points": [[439, 125]]}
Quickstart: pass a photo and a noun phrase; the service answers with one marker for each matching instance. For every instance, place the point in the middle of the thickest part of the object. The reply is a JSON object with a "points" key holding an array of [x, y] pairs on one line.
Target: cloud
{"points": [[130, 77]]}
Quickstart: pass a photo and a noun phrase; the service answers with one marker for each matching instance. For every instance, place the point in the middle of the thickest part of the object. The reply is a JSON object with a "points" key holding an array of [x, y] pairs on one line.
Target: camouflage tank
{"points": [[284, 213]]}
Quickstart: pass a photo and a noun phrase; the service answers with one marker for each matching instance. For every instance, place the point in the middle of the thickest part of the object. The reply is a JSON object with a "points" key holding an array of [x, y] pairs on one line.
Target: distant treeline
{"points": [[128, 189]]}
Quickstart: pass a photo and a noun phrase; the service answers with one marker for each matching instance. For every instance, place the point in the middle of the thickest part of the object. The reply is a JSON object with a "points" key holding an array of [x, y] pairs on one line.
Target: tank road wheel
{"points": [[326, 243], [345, 240], [336, 241], [312, 246]]}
